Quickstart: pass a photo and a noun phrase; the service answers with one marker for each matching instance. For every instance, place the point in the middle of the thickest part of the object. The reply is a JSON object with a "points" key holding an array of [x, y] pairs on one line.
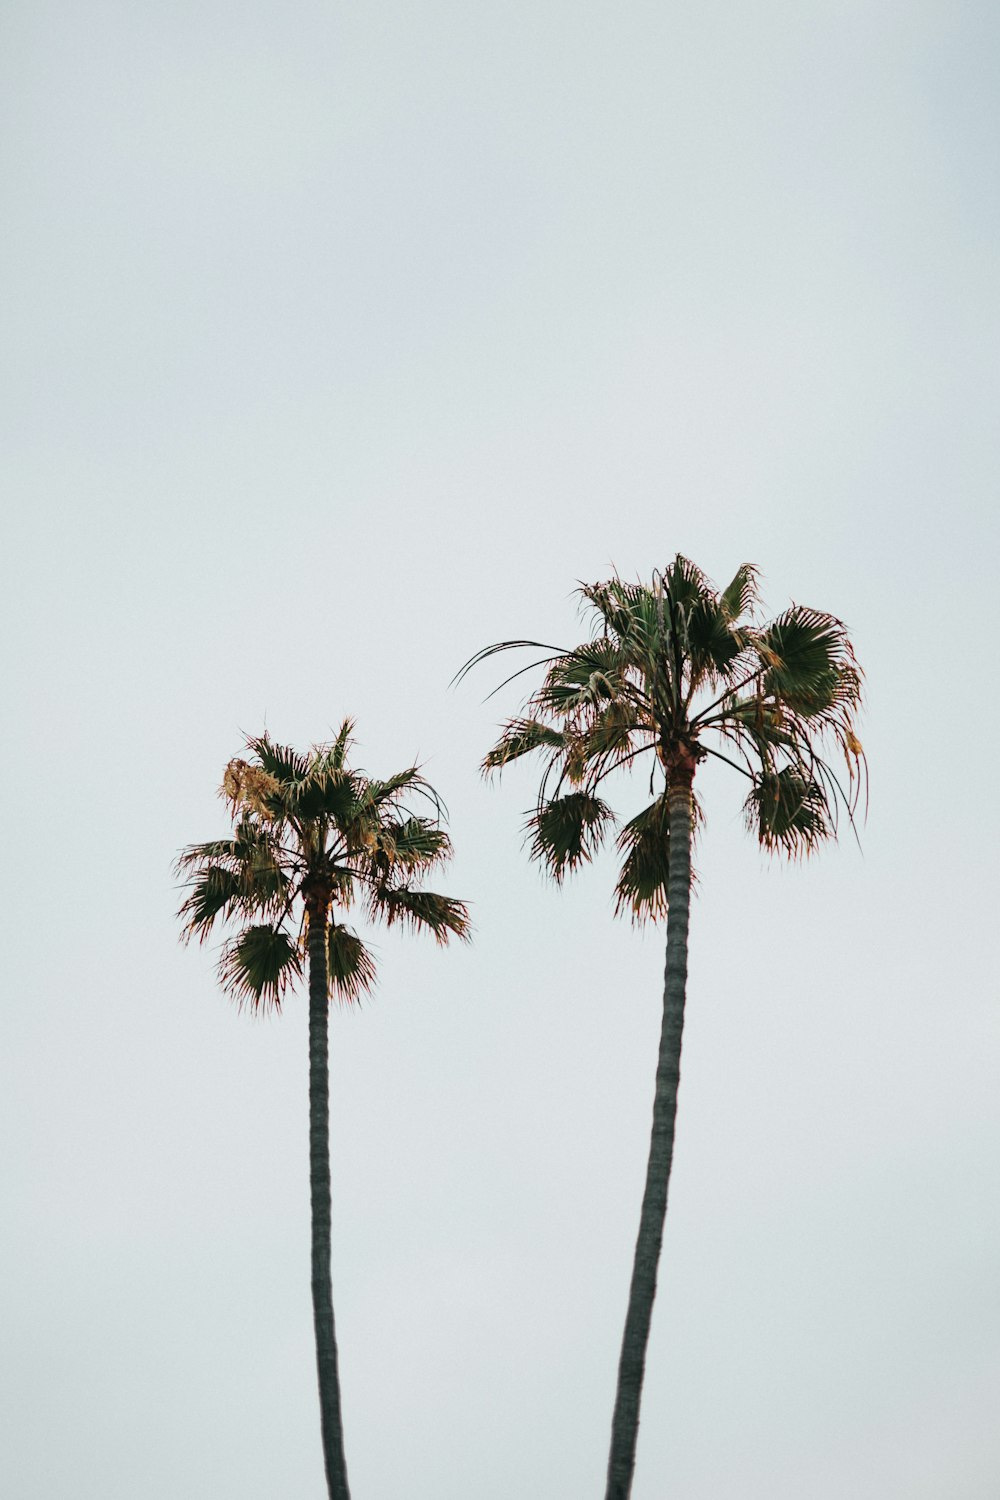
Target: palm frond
{"points": [[830, 701], [521, 737], [498, 646], [644, 877], [619, 606], [611, 730], [224, 877], [426, 911], [257, 967], [641, 889], [704, 638], [215, 891], [402, 848], [806, 650], [789, 812], [739, 597], [326, 792], [352, 968], [196, 855], [686, 584], [567, 831], [280, 761], [715, 647], [390, 792], [588, 677], [338, 750]]}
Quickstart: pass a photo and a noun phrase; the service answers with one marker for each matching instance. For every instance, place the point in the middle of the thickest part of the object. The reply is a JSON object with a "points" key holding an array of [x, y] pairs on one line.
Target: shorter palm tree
{"points": [[311, 838], [678, 671]]}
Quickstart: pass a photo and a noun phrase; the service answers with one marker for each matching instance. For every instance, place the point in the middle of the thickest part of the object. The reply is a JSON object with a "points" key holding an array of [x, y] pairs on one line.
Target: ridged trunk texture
{"points": [[631, 1367], [319, 1186]]}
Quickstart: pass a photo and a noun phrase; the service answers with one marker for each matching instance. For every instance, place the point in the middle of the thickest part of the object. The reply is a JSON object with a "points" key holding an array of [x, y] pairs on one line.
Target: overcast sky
{"points": [[338, 342]]}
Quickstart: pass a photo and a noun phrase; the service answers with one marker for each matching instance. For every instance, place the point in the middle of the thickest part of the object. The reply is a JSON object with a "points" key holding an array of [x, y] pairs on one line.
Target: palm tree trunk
{"points": [[631, 1367], [319, 1185]]}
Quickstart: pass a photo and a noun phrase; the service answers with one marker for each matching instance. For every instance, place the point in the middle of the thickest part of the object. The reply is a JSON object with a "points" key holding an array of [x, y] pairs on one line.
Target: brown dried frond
{"points": [[244, 785]]}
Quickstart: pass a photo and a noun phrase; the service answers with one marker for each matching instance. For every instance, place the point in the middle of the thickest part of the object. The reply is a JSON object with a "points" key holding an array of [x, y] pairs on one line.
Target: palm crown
{"points": [[682, 670], [311, 836]]}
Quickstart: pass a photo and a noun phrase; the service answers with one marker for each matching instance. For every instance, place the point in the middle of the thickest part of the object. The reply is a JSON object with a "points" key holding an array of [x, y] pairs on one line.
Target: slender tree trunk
{"points": [[631, 1367], [319, 1185]]}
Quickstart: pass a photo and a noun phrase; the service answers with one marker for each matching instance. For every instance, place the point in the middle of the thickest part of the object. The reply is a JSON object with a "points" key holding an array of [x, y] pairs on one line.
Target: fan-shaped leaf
{"points": [[351, 967], [286, 765], [788, 811], [402, 849], [257, 966], [521, 737], [642, 882], [739, 598], [567, 831], [423, 910], [805, 650], [215, 891]]}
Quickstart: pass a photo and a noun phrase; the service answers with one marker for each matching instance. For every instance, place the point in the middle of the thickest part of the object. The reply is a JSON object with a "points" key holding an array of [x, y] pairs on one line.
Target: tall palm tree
{"points": [[679, 671], [310, 838]]}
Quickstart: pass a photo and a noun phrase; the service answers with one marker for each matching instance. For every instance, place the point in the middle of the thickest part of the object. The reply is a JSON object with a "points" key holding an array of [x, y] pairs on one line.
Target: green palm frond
{"points": [[757, 723], [567, 831], [226, 877], [521, 737], [393, 793], [700, 638], [737, 600], [790, 812], [286, 765], [686, 584], [215, 892], [351, 967], [258, 965], [830, 702], [612, 729], [498, 646], [326, 792], [805, 651], [196, 855], [642, 882], [402, 849], [587, 678], [341, 745], [715, 646], [442, 916], [645, 842], [622, 609]]}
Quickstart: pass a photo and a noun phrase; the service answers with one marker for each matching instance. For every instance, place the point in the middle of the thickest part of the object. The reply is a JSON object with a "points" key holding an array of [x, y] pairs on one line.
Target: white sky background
{"points": [[338, 342]]}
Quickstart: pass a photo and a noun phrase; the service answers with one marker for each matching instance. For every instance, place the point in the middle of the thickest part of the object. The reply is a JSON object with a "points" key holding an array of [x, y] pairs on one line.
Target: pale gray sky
{"points": [[338, 342]]}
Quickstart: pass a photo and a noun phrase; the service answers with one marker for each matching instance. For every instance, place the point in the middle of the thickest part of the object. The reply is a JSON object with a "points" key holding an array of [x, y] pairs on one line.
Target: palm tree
{"points": [[676, 669], [310, 838]]}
